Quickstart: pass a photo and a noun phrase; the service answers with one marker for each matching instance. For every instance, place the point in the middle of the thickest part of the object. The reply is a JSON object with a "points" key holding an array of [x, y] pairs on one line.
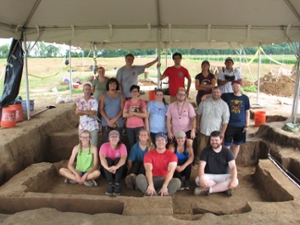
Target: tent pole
{"points": [[258, 75], [296, 94], [26, 76], [70, 68]]}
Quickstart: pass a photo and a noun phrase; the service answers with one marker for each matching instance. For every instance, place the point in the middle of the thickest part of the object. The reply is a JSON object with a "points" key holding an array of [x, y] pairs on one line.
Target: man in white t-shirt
{"points": [[227, 75]]}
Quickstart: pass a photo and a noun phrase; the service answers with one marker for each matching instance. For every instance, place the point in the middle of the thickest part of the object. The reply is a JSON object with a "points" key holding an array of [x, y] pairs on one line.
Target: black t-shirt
{"points": [[216, 163]]}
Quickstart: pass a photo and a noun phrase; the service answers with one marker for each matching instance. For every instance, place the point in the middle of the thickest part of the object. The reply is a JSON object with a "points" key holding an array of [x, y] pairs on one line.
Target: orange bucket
{"points": [[259, 118], [151, 95], [8, 117], [19, 111]]}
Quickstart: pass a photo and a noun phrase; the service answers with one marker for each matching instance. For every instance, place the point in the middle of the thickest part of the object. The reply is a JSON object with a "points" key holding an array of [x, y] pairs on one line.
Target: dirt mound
{"points": [[247, 83], [277, 85]]}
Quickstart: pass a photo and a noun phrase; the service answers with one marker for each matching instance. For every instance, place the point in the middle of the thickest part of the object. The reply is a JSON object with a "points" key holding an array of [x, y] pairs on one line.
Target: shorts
{"points": [[235, 135], [217, 178]]}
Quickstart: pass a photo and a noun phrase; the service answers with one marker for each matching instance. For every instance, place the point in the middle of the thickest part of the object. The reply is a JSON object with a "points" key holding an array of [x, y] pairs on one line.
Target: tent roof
{"points": [[130, 24]]}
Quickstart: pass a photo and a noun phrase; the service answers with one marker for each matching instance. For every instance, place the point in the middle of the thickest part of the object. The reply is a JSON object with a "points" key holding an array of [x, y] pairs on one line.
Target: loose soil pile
{"points": [[278, 85]]}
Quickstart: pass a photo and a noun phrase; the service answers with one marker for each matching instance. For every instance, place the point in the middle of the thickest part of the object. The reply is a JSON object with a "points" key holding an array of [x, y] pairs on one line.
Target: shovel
{"points": [[43, 110]]}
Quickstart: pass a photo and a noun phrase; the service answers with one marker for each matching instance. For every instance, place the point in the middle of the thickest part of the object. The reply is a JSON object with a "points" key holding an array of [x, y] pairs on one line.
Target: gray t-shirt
{"points": [[213, 115], [128, 77]]}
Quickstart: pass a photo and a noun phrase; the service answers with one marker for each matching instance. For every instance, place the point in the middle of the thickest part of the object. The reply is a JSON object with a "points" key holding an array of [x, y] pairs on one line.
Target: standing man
{"points": [[239, 107], [160, 164], [176, 75], [227, 75], [128, 74], [212, 114], [217, 170], [111, 109], [86, 109], [181, 116]]}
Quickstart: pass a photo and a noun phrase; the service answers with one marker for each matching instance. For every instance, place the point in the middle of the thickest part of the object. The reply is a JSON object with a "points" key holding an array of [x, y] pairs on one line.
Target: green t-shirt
{"points": [[85, 160]]}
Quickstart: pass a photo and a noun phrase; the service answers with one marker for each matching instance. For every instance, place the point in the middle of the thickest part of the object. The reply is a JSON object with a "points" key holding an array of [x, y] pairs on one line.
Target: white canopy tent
{"points": [[143, 24], [131, 24]]}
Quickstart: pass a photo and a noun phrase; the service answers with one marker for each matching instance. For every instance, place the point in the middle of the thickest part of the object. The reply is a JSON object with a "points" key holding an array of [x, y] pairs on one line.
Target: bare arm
{"points": [[198, 119], [222, 82], [233, 172], [189, 85], [171, 169], [72, 160], [190, 159], [247, 120], [223, 129], [80, 112], [151, 63], [149, 176], [201, 167], [169, 126]]}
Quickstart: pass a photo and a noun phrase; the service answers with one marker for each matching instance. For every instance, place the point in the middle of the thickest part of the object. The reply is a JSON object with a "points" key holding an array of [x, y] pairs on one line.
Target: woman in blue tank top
{"points": [[185, 158]]}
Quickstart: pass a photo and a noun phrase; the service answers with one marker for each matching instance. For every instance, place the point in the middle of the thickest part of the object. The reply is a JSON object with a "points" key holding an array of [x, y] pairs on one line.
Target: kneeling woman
{"points": [[86, 165], [136, 157], [185, 158], [113, 156]]}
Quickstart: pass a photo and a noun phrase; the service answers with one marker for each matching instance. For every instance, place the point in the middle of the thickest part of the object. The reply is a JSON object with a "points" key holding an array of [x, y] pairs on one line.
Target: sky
{"points": [[4, 41]]}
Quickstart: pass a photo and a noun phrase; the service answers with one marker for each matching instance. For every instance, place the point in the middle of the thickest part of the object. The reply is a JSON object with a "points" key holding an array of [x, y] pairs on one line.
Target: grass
{"points": [[50, 72], [251, 88]]}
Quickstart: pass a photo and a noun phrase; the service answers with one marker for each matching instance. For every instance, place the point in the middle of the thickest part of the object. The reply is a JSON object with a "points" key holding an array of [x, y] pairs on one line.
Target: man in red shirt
{"points": [[160, 165], [176, 75]]}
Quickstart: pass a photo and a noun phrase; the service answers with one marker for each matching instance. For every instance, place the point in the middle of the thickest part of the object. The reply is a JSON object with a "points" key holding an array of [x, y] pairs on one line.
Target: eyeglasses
{"points": [[134, 91], [160, 95], [85, 137], [181, 95]]}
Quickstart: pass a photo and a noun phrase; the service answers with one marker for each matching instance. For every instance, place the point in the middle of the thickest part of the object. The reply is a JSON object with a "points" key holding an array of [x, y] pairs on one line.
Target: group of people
{"points": [[160, 156]]}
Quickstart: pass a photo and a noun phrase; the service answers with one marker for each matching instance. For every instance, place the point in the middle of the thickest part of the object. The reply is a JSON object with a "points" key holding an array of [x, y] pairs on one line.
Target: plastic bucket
{"points": [[151, 95], [19, 112], [259, 118], [8, 118]]}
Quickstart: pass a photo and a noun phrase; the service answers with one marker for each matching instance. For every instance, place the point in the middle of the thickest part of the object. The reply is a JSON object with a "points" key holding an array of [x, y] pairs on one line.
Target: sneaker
{"points": [[90, 183], [69, 181], [110, 189], [129, 182], [187, 185], [117, 190], [201, 191], [229, 192], [182, 186]]}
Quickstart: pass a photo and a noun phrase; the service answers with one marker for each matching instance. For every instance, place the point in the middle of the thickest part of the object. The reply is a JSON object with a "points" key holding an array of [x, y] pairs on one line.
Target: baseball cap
{"points": [[161, 135], [180, 134], [114, 133], [229, 58], [236, 82]]}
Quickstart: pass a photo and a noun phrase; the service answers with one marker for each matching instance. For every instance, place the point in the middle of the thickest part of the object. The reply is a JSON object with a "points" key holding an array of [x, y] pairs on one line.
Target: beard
{"points": [[215, 146]]}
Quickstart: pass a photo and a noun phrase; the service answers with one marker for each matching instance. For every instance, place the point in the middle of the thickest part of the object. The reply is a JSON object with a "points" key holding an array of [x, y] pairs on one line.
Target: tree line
{"points": [[42, 50]]}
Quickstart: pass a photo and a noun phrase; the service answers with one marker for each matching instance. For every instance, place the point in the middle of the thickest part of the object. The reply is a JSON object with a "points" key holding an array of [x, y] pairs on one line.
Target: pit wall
{"points": [[28, 142]]}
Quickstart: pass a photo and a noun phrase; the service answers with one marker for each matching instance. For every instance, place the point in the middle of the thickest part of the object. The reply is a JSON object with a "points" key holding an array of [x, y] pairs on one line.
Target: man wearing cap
{"points": [[160, 164], [176, 75], [227, 75], [128, 74], [86, 109], [217, 169], [212, 114], [239, 108]]}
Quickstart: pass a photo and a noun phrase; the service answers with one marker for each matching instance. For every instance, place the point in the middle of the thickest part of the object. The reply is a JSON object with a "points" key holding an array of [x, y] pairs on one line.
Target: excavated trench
{"points": [[39, 185]]}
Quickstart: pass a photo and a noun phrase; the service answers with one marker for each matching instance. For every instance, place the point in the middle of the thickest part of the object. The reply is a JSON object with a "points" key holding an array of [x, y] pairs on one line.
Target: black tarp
{"points": [[13, 74]]}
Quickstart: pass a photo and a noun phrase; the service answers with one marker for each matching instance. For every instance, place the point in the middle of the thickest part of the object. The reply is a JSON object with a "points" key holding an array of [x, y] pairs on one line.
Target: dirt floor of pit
{"points": [[183, 201]]}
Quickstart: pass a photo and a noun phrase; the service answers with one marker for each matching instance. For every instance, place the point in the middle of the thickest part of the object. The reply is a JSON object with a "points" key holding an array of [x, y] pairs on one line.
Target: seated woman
{"points": [[135, 161], [185, 158], [135, 111], [113, 156], [86, 164]]}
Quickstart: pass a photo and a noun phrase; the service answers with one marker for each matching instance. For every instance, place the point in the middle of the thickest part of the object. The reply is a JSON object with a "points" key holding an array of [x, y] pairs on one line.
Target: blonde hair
{"points": [[181, 89], [150, 145], [80, 142]]}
